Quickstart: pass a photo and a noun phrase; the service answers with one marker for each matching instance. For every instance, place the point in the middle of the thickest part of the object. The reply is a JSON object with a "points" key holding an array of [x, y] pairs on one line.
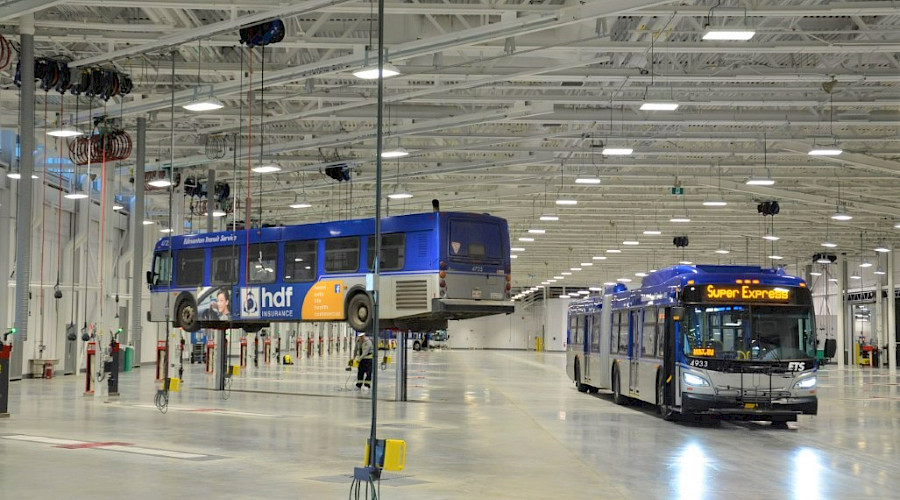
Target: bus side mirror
{"points": [[677, 313], [149, 277]]}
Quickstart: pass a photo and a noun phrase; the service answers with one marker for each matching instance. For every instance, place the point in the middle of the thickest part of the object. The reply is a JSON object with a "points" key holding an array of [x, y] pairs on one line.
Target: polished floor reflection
{"points": [[479, 424]]}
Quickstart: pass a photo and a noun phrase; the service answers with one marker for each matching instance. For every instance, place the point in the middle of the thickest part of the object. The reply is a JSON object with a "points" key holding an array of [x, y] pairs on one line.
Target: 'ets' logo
{"points": [[255, 299]]}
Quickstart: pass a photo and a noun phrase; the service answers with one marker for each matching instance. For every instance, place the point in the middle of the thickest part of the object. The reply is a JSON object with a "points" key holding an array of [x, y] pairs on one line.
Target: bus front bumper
{"points": [[757, 410]]}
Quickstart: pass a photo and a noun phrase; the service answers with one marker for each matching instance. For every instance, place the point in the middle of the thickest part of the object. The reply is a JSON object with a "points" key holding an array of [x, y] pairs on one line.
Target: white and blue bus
{"points": [[435, 267], [700, 340]]}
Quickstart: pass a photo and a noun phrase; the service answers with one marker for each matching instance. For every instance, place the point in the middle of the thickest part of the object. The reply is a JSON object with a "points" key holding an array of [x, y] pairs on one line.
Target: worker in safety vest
{"points": [[363, 354]]}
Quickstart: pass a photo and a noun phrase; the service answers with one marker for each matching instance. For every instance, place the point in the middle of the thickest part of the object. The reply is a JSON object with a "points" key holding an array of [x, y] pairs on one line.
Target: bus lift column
{"points": [[256, 350], [91, 359], [113, 381], [244, 351], [267, 349], [309, 345], [6, 346], [210, 352], [160, 359]]}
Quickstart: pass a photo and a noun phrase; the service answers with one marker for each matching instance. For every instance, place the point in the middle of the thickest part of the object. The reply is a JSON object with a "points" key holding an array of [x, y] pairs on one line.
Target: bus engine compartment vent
{"points": [[411, 294]]}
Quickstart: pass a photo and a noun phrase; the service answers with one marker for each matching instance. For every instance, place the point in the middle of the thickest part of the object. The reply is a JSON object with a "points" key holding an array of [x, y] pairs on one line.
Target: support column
{"points": [[26, 194], [137, 230], [891, 316], [221, 362], [210, 199], [401, 365], [841, 330], [878, 317]]}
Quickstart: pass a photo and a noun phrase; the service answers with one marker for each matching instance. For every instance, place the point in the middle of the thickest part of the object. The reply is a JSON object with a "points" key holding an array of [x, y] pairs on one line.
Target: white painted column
{"points": [[878, 316], [840, 332], [891, 316]]}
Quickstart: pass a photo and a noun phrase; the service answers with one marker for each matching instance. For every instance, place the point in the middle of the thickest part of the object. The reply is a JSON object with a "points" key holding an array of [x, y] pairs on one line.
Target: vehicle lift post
{"points": [[221, 361], [113, 381], [5, 355], [91, 359]]}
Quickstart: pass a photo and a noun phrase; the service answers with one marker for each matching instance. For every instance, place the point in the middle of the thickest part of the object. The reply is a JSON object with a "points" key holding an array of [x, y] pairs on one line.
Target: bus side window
{"points": [[393, 252], [573, 322], [623, 332], [300, 261], [342, 255], [648, 347], [661, 333], [224, 262], [189, 265], [614, 332], [595, 333], [262, 263], [162, 268]]}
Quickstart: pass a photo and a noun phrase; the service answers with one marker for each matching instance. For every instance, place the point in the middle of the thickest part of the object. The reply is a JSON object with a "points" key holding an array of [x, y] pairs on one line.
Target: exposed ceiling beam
{"points": [[17, 8], [200, 32]]}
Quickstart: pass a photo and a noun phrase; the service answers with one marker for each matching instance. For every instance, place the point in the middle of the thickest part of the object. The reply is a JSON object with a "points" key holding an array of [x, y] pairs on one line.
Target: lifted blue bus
{"points": [[435, 267], [693, 340]]}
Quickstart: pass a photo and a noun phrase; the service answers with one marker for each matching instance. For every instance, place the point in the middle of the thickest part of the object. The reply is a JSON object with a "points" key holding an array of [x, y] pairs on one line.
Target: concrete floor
{"points": [[479, 424]]}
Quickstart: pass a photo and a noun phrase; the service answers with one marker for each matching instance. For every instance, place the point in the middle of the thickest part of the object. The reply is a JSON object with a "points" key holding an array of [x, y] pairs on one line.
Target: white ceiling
{"points": [[503, 103]]}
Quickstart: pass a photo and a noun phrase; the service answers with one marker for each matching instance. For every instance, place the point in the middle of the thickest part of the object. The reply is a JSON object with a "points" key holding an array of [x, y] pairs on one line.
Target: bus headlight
{"points": [[807, 383], [694, 380]]}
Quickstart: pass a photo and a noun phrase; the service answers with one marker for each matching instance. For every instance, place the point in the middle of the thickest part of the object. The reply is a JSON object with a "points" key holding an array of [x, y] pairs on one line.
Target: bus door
{"points": [[636, 324], [584, 323]]}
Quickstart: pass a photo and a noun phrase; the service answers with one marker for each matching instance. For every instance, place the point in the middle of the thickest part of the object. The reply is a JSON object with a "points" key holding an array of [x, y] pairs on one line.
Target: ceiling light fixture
{"points": [[160, 183], [613, 250], [64, 132], [517, 249], [659, 106], [117, 206], [776, 257], [166, 230], [831, 151], [715, 203], [525, 238], [599, 257], [841, 215], [632, 243], [219, 213], [371, 72], [760, 181], [148, 222], [881, 248], [537, 231], [617, 151], [549, 218], [728, 35], [828, 244], [587, 179], [75, 195], [652, 232], [723, 251], [398, 152], [566, 201], [204, 104], [267, 168], [679, 218]]}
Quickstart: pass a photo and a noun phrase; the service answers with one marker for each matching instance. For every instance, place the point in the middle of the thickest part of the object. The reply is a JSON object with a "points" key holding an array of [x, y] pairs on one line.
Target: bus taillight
{"points": [[443, 285], [442, 274], [442, 266]]}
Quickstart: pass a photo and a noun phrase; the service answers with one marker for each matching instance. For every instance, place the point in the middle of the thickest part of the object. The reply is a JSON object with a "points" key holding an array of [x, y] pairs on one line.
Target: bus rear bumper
{"points": [[469, 308], [777, 408]]}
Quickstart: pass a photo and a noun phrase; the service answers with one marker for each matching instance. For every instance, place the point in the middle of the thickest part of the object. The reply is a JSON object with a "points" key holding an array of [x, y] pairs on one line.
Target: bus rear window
{"points": [[475, 240]]}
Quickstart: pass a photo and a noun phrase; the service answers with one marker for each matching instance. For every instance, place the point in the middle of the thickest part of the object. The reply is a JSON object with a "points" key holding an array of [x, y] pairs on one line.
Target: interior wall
{"points": [[502, 331]]}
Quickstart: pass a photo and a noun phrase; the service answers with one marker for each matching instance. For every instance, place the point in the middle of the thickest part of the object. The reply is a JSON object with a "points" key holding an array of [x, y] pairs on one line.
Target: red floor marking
{"points": [[91, 445]]}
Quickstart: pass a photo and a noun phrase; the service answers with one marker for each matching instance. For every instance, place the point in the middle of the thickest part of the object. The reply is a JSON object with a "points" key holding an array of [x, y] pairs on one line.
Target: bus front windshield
{"points": [[753, 333]]}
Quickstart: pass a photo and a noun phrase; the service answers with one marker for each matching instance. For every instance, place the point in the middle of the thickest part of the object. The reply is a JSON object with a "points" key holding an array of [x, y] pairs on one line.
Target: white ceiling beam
{"points": [[200, 32], [11, 9]]}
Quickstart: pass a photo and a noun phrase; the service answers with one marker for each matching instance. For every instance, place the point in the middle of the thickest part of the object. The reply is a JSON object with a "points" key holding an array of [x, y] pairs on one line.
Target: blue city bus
{"points": [[435, 267], [700, 340]]}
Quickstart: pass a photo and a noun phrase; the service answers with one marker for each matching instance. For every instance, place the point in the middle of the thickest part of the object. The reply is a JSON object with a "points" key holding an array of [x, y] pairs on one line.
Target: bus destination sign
{"points": [[747, 293]]}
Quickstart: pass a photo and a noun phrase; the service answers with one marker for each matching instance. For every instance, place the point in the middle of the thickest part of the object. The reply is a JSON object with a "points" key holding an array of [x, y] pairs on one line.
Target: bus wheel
{"points": [[359, 312], [664, 411], [186, 315], [578, 385], [618, 398]]}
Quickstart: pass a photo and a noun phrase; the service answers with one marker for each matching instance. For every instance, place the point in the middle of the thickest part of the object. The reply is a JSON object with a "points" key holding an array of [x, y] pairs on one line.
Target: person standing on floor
{"points": [[363, 354]]}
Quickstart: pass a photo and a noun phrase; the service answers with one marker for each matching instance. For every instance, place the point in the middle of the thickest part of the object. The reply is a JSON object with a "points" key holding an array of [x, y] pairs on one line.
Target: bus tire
{"points": [[417, 346], [578, 385], [252, 328], [664, 411], [359, 312], [618, 398], [186, 315]]}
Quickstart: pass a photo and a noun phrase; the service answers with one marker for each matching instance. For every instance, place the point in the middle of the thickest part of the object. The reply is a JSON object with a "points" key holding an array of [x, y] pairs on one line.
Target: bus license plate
{"points": [[750, 406], [476, 294]]}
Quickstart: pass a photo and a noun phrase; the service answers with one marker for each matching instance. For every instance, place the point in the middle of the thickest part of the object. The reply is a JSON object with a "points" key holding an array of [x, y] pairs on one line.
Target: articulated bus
{"points": [[434, 267], [700, 340]]}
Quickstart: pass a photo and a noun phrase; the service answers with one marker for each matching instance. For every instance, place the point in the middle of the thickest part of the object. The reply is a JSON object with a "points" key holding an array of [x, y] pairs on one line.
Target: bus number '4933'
{"points": [[699, 363]]}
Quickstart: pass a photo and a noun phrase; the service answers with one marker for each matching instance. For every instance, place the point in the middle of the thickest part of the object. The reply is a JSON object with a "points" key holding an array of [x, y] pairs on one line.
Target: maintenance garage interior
{"points": [[533, 249]]}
